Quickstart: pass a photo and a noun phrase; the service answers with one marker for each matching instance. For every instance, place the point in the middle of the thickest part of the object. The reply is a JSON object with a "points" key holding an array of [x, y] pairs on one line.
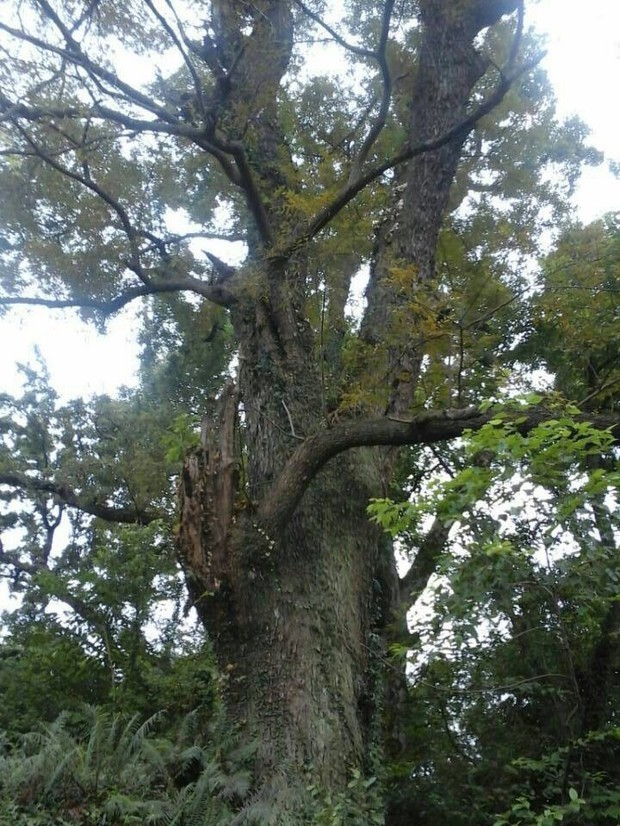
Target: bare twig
{"points": [[290, 421]]}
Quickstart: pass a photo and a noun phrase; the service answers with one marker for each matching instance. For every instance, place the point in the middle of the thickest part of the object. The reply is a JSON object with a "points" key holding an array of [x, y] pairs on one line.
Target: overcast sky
{"points": [[583, 63]]}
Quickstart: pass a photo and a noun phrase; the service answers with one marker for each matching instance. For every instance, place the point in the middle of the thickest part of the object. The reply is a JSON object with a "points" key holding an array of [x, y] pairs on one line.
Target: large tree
{"points": [[317, 178]]}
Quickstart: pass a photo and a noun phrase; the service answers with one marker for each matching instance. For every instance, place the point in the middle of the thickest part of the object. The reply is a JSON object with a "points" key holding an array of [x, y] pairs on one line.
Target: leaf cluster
{"points": [[514, 659], [96, 766]]}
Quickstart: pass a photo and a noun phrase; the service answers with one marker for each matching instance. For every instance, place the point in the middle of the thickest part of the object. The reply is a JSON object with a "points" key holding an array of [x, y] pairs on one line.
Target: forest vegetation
{"points": [[334, 559]]}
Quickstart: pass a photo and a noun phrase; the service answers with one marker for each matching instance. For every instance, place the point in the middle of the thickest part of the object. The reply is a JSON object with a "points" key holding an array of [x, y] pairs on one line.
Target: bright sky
{"points": [[583, 63]]}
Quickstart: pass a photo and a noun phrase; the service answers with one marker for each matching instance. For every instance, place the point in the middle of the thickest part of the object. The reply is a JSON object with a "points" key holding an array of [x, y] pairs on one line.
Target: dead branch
{"points": [[216, 293]]}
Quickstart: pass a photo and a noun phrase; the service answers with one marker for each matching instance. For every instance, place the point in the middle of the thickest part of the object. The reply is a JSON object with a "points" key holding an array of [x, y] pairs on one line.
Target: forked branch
{"points": [[353, 187]]}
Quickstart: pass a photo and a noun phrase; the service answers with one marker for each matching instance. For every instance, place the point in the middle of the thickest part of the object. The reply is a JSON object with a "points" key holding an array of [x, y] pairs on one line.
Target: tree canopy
{"points": [[211, 623]]}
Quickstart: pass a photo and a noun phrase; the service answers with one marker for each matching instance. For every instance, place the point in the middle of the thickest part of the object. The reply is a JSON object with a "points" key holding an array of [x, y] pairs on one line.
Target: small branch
{"points": [[602, 387], [386, 95], [450, 472], [461, 368], [8, 108], [74, 55], [290, 421], [166, 122], [499, 689], [348, 136], [231, 156], [59, 590], [186, 59], [134, 263], [491, 312], [82, 502], [350, 47], [208, 236], [169, 127], [379, 55], [182, 130]]}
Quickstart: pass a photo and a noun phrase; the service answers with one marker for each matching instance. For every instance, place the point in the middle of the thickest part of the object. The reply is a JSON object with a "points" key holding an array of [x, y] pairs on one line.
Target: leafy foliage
{"points": [[575, 316], [93, 766], [123, 184], [514, 670]]}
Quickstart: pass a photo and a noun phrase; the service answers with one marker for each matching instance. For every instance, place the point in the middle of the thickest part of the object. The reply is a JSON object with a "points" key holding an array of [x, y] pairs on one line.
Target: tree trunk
{"points": [[297, 608], [293, 584], [296, 614]]}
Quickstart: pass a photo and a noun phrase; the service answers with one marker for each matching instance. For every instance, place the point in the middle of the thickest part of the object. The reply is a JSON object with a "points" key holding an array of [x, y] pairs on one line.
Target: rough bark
{"points": [[293, 614], [294, 585], [401, 291]]}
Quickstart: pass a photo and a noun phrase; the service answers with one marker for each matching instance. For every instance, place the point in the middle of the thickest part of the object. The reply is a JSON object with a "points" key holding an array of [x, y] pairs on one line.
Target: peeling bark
{"points": [[207, 492]]}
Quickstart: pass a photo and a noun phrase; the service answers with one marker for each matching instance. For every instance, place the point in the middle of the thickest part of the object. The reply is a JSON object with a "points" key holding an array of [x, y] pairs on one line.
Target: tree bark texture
{"points": [[297, 590]]}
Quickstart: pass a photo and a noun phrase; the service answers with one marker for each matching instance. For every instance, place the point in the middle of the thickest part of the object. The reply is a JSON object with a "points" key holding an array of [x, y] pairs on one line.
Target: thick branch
{"points": [[216, 293], [83, 502], [249, 185], [427, 428], [424, 565]]}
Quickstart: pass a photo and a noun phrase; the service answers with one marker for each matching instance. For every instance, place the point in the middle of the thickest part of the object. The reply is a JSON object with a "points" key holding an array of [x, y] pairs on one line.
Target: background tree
{"points": [[403, 171], [515, 665], [580, 287]]}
